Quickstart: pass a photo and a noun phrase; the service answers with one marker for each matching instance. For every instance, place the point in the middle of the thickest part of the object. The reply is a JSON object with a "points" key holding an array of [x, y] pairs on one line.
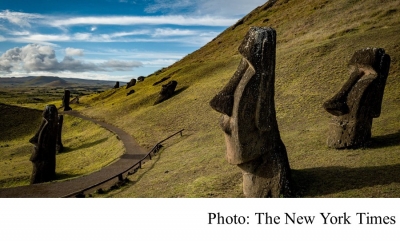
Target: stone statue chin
{"points": [[249, 121]]}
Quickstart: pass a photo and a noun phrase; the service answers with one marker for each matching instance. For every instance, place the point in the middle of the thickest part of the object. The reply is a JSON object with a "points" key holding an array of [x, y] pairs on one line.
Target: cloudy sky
{"points": [[108, 39]]}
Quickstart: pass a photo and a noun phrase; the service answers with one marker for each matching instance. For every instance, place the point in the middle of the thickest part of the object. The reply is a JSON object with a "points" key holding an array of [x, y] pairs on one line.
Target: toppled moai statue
{"points": [[131, 83], [44, 155], [359, 100], [65, 100], [59, 145], [167, 91], [116, 86], [249, 121]]}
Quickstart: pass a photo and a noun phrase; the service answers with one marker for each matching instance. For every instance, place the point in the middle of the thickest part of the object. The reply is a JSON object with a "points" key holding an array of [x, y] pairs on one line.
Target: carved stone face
{"points": [[359, 100], [246, 102], [50, 113]]}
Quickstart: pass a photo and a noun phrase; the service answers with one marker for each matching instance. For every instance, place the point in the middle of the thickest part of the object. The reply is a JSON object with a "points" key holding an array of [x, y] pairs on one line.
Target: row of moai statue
{"points": [[47, 142], [249, 122]]}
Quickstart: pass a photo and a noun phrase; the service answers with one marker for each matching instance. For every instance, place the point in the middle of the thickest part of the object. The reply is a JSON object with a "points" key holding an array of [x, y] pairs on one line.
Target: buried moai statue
{"points": [[65, 100], [167, 91], [116, 86], [131, 83], [44, 155], [249, 120], [359, 100]]}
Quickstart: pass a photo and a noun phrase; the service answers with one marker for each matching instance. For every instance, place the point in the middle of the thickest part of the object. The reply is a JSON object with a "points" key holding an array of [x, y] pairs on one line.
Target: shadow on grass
{"points": [[180, 90], [319, 181], [385, 140], [155, 159], [86, 145]]}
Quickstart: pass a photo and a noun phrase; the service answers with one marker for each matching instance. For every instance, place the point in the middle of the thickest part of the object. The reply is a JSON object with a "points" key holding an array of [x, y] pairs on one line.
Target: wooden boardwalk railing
{"points": [[120, 176]]}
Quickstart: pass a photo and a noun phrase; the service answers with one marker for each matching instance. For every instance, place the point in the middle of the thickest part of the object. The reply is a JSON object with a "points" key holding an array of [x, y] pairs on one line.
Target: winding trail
{"points": [[133, 154]]}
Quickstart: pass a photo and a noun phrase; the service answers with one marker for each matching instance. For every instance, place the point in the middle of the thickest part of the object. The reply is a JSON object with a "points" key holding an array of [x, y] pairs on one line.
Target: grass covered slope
{"points": [[87, 147], [315, 40]]}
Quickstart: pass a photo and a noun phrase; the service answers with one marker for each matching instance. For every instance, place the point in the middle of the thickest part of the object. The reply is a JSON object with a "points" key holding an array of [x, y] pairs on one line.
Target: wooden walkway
{"points": [[133, 154]]}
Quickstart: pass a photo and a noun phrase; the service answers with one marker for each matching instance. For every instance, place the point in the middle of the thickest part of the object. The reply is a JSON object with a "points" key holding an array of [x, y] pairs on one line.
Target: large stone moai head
{"points": [[66, 100], [359, 100], [249, 121], [167, 91], [44, 154]]}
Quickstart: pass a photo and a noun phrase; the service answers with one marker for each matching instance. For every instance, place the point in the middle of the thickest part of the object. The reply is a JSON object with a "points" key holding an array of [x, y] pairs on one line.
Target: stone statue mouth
{"points": [[225, 124]]}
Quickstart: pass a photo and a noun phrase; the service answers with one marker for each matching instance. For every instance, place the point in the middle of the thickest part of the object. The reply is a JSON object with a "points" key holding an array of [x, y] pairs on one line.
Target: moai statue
{"points": [[359, 100], [249, 121], [131, 83], [44, 154], [116, 86], [59, 145], [65, 100], [167, 91]]}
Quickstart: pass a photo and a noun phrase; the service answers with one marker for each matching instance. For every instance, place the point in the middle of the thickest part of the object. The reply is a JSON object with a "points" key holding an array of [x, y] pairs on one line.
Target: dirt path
{"points": [[133, 154]]}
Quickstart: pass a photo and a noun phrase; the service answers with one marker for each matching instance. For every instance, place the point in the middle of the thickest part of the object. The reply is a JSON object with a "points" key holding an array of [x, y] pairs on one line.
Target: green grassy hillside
{"points": [[87, 146], [315, 40]]}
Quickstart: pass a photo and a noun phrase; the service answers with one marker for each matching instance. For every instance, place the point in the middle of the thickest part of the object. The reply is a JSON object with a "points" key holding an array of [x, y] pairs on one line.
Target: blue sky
{"points": [[108, 39]]}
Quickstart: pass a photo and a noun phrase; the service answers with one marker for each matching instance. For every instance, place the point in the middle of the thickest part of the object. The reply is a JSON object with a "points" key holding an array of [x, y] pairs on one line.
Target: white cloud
{"points": [[73, 52], [162, 5], [235, 8], [145, 20], [159, 62], [163, 32], [118, 65], [35, 57], [47, 37], [18, 18]]}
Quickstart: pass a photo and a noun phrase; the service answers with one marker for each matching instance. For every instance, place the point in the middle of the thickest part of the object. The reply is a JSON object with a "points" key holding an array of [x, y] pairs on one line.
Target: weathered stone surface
{"points": [[66, 101], [131, 83], [359, 100], [59, 145], [249, 121], [167, 91], [116, 86], [140, 78], [44, 154]]}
